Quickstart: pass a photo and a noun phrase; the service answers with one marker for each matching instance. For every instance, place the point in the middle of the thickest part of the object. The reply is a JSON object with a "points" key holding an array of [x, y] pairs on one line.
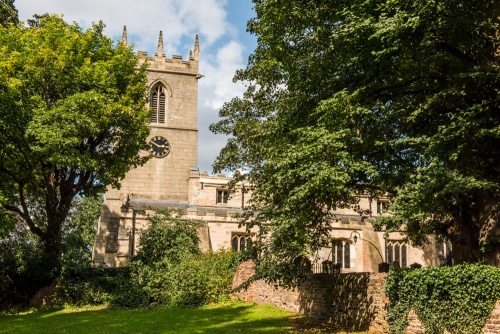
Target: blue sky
{"points": [[224, 43]]}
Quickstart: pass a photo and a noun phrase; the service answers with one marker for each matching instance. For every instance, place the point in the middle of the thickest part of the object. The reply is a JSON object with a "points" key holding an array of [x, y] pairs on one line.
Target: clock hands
{"points": [[159, 146]]}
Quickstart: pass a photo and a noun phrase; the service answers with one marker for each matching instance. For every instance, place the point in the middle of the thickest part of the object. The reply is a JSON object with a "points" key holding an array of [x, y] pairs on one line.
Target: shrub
{"points": [[169, 269], [90, 286], [23, 263], [192, 281], [203, 279], [168, 237], [22, 268], [459, 298]]}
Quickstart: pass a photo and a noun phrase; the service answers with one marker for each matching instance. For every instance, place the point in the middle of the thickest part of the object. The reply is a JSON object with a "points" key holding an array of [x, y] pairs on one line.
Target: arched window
{"points": [[158, 103], [341, 253], [397, 251], [241, 242]]}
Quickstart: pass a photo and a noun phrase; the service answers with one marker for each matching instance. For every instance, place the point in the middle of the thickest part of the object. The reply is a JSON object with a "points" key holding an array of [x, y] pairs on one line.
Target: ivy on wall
{"points": [[459, 298]]}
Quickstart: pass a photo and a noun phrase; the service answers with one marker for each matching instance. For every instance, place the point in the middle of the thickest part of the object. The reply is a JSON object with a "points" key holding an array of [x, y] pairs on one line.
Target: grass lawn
{"points": [[226, 318]]}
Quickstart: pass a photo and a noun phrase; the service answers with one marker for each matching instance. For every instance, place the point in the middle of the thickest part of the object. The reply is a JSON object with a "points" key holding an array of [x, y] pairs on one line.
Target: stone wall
{"points": [[492, 325], [354, 300], [414, 324], [44, 296]]}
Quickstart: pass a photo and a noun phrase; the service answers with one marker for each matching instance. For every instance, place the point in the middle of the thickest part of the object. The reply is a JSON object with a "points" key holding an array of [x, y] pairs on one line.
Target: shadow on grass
{"points": [[231, 318]]}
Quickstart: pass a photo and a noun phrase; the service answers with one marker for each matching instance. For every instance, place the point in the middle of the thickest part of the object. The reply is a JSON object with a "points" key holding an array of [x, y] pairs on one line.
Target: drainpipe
{"points": [[132, 251], [370, 202], [243, 196]]}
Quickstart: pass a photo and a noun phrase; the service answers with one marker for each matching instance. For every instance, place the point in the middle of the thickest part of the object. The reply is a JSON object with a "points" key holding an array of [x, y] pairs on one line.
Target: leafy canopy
{"points": [[72, 119], [385, 97], [8, 13]]}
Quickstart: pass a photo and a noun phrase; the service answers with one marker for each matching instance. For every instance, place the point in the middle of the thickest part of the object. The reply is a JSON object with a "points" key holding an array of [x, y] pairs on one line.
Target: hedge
{"points": [[458, 298]]}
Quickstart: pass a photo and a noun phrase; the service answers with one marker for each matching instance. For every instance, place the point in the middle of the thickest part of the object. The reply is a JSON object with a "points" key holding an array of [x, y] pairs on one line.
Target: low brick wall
{"points": [[492, 325], [355, 300]]}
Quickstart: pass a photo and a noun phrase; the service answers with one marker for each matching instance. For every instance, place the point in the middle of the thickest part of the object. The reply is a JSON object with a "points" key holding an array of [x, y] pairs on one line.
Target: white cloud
{"points": [[215, 89], [144, 19], [219, 71], [180, 20]]}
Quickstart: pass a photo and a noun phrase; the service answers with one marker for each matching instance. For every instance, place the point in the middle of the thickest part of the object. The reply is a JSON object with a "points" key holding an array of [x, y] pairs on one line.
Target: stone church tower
{"points": [[173, 89], [163, 180]]}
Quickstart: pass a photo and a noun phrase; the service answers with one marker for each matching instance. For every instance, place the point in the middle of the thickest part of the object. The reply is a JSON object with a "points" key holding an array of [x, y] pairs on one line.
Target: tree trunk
{"points": [[490, 236], [52, 244], [464, 237], [475, 235]]}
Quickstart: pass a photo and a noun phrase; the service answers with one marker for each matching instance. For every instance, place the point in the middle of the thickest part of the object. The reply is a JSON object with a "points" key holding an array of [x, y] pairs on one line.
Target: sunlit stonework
{"points": [[171, 180]]}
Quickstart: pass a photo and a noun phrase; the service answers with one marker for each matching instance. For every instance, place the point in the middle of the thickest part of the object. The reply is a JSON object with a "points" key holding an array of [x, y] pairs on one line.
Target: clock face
{"points": [[159, 146]]}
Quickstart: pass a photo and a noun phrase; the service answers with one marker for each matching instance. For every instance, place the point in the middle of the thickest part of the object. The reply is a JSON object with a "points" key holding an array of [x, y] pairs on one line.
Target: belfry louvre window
{"points": [[158, 103]]}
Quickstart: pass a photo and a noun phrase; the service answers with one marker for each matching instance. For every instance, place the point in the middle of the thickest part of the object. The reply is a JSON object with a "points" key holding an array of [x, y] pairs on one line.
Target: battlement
{"points": [[159, 63], [219, 178]]}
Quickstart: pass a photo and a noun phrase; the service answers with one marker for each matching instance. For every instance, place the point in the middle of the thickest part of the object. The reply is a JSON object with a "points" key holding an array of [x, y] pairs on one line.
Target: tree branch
{"points": [[456, 53], [26, 216]]}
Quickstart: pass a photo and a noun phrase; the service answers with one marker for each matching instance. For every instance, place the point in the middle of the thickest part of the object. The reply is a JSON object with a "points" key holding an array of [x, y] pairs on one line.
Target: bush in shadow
{"points": [[23, 268]]}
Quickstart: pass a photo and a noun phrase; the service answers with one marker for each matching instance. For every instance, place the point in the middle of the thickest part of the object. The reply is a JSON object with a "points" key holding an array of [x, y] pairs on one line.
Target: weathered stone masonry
{"points": [[351, 300], [354, 300]]}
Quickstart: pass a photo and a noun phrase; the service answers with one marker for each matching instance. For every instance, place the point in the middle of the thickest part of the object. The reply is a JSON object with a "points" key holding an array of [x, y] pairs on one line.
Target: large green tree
{"points": [[72, 120], [385, 97], [8, 13]]}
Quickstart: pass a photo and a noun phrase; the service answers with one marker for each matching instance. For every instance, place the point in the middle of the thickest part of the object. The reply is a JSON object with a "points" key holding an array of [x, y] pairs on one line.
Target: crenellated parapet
{"points": [[159, 63]]}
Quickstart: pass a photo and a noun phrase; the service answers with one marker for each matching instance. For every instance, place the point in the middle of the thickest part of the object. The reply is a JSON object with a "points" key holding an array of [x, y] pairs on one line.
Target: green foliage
{"points": [[8, 13], [169, 270], [72, 120], [392, 98], [23, 268], [80, 282], [85, 285], [204, 279], [458, 298], [168, 237], [8, 222], [80, 229], [192, 280]]}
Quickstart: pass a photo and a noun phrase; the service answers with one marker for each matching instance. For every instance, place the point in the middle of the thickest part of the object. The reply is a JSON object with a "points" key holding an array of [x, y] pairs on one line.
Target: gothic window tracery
{"points": [[341, 253], [241, 242], [397, 251]]}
